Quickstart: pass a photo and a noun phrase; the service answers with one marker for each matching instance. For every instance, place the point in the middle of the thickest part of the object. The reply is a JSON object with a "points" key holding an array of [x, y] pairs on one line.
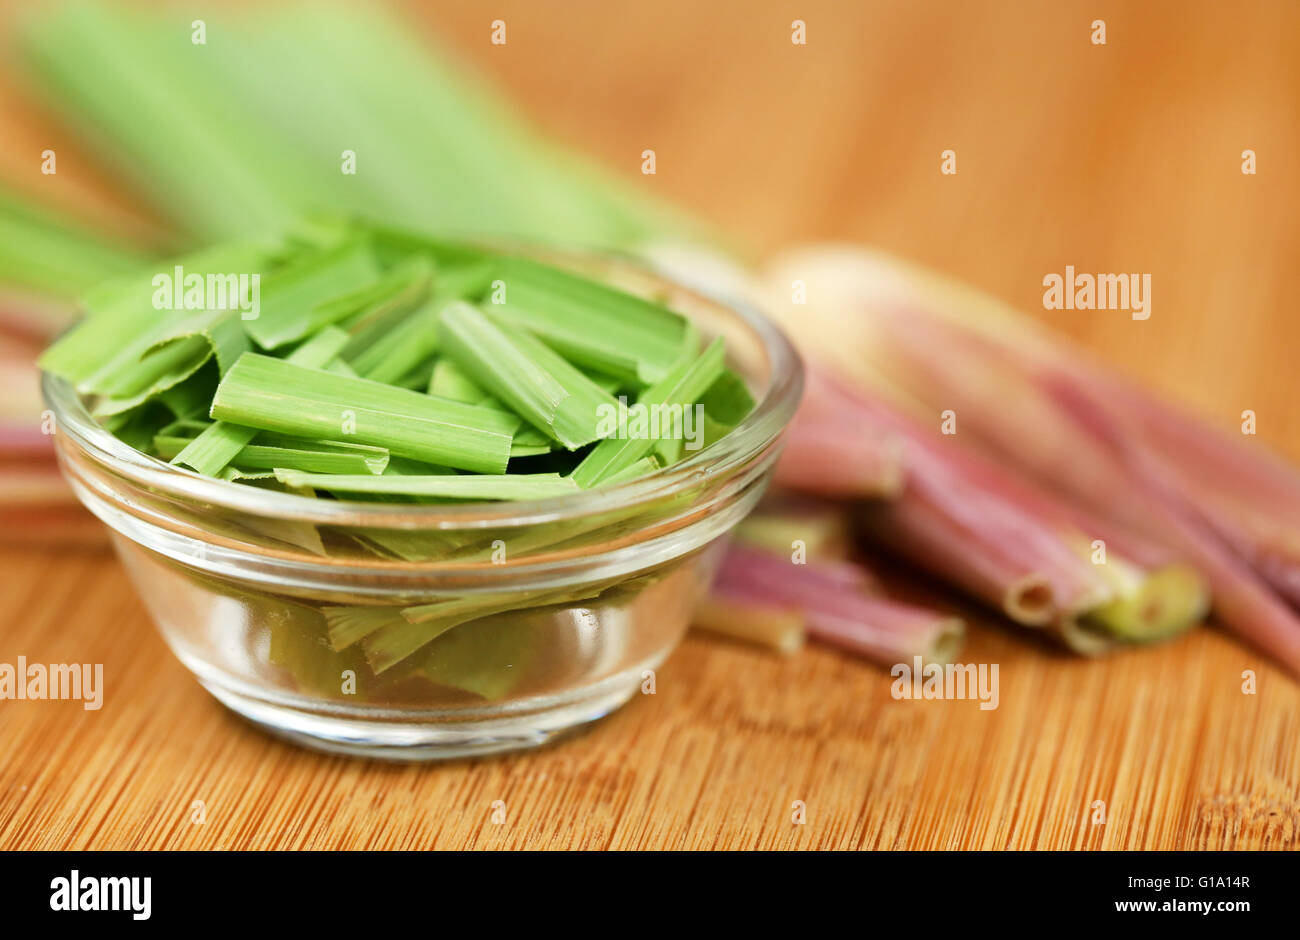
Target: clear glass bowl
{"points": [[560, 608]]}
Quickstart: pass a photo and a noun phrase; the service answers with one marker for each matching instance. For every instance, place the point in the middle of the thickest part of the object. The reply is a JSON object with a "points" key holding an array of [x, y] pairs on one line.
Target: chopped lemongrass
{"points": [[510, 486], [122, 324], [172, 353], [524, 374], [347, 625], [680, 388], [594, 325], [218, 444], [310, 456], [378, 366], [728, 400], [450, 381], [632, 471], [306, 296], [401, 349], [275, 395]]}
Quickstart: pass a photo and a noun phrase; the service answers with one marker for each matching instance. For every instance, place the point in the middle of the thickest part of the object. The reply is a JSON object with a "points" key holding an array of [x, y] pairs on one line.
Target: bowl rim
{"points": [[759, 429]]}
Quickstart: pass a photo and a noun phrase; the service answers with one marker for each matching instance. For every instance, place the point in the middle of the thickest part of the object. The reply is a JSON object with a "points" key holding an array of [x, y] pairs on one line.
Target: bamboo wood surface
{"points": [[1122, 157]]}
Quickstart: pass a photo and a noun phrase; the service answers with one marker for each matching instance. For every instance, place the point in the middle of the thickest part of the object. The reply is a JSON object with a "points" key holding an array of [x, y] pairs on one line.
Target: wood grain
{"points": [[1121, 157]]}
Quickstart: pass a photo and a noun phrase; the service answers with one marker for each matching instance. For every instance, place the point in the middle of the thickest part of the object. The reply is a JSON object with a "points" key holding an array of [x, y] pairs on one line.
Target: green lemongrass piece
{"points": [[682, 387], [1163, 604], [189, 399], [592, 324], [187, 427], [275, 395], [138, 426], [728, 399], [528, 442], [339, 367], [407, 546], [606, 383], [174, 353], [378, 308], [403, 286], [450, 381], [632, 472], [525, 374], [313, 292], [122, 324], [669, 450], [486, 659], [404, 466], [518, 450], [401, 349], [392, 643], [310, 456], [348, 625], [320, 457], [218, 444], [512, 486], [296, 646]]}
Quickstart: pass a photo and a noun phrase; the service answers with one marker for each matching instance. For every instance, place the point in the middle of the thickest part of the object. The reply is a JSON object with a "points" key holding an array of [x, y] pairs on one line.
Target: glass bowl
{"points": [[503, 624]]}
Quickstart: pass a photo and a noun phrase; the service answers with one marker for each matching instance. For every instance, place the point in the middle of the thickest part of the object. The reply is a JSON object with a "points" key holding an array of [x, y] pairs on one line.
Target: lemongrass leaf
{"points": [[275, 395], [511, 486], [314, 292], [218, 444], [682, 387], [526, 375]]}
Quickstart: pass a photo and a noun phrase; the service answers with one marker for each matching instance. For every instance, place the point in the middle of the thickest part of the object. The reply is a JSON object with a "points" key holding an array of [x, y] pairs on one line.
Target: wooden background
{"points": [[1123, 157]]}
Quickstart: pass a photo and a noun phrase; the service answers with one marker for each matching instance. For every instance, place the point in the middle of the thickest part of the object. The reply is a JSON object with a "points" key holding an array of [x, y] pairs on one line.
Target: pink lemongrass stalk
{"points": [[931, 345], [1016, 547], [738, 616], [821, 459], [882, 630], [786, 522], [24, 440]]}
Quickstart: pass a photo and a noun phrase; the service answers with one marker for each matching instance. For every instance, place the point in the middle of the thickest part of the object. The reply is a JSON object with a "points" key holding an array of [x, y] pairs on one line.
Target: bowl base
{"points": [[512, 726]]}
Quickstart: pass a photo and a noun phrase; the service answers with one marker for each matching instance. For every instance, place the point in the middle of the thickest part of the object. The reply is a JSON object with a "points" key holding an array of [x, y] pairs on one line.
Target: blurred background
{"points": [[1121, 157]]}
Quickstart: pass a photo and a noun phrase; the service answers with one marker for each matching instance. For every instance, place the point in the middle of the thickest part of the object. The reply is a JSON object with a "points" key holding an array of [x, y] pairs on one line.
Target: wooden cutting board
{"points": [[1122, 157]]}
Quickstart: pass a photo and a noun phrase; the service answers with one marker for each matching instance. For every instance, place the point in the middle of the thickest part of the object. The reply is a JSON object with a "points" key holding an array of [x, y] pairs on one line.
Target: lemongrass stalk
{"points": [[592, 324], [275, 395], [808, 580], [882, 630], [314, 292], [309, 456], [815, 530], [1069, 426], [683, 385], [509, 486], [739, 617], [403, 348], [221, 442], [448, 380], [829, 459], [421, 624], [531, 379]]}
